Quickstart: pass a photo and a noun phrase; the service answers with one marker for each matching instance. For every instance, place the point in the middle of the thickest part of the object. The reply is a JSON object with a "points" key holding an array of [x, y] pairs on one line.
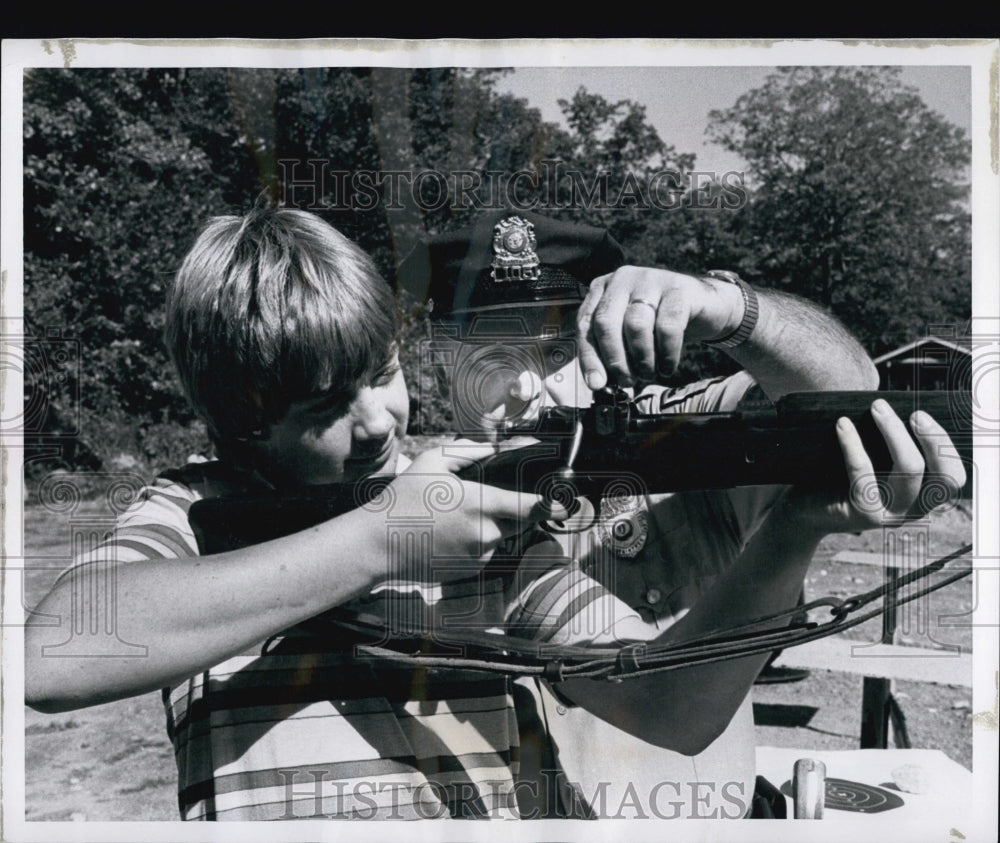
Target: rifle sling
{"points": [[520, 657]]}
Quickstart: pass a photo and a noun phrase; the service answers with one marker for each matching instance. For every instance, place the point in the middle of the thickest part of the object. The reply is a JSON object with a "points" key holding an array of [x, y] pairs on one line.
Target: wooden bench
{"points": [[889, 661]]}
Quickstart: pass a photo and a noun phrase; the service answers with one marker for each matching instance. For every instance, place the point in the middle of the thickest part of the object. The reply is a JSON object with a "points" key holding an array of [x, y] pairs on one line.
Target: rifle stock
{"points": [[613, 449]]}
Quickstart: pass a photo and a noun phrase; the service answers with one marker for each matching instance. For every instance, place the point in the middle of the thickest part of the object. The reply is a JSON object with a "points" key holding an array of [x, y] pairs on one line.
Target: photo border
{"points": [[19, 55]]}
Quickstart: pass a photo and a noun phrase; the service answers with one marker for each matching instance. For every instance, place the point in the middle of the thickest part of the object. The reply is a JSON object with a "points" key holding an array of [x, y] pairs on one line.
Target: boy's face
{"points": [[337, 438]]}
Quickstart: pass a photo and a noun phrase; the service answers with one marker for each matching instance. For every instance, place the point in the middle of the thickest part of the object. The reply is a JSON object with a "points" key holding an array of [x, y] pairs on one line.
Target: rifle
{"points": [[611, 448]]}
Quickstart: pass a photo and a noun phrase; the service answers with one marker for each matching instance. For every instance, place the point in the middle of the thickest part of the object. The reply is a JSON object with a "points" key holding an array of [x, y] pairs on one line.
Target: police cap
{"points": [[509, 263]]}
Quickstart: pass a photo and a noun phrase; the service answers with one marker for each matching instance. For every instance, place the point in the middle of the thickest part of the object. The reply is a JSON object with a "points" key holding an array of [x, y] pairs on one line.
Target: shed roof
{"points": [[962, 344]]}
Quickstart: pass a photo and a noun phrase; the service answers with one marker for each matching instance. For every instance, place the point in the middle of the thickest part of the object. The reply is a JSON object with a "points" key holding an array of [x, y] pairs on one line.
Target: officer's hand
{"points": [[632, 324], [922, 478]]}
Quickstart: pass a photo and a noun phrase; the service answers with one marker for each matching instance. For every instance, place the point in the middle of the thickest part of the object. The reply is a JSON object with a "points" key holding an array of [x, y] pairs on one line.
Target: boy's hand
{"points": [[922, 479], [466, 519]]}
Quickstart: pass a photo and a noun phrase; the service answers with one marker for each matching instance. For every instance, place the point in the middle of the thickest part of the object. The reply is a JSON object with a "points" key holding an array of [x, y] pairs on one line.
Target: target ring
{"points": [[854, 797], [844, 795]]}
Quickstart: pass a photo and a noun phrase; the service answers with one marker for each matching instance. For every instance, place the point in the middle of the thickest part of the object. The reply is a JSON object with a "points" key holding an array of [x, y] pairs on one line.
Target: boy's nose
{"points": [[372, 419]]}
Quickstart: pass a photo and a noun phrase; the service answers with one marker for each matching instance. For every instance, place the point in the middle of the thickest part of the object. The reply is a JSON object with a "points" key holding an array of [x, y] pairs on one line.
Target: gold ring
{"points": [[643, 301]]}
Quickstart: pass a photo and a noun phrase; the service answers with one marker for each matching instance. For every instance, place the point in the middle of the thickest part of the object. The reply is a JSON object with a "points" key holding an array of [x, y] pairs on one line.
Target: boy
{"points": [[291, 367], [283, 334]]}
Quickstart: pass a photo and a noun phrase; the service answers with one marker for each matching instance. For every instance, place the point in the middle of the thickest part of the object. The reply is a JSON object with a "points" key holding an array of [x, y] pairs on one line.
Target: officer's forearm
{"points": [[686, 709], [798, 347]]}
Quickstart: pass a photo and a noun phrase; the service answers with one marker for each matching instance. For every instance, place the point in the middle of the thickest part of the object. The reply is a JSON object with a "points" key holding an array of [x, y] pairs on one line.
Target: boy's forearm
{"points": [[193, 613]]}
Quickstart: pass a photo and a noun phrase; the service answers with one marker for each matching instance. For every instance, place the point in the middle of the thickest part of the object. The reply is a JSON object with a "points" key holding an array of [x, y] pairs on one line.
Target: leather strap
{"points": [[519, 657]]}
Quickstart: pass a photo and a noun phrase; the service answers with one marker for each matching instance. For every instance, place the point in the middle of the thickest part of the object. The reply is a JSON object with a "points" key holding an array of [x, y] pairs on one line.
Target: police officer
{"points": [[531, 312]]}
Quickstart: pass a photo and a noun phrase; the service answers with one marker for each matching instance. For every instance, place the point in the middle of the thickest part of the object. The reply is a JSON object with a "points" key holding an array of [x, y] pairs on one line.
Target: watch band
{"points": [[751, 310]]}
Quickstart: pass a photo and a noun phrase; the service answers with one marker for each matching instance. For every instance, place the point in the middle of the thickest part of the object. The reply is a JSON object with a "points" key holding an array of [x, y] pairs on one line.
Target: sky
{"points": [[679, 99]]}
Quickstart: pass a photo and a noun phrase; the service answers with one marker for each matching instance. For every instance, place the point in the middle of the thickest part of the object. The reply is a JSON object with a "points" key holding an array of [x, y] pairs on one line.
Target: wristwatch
{"points": [[751, 309]]}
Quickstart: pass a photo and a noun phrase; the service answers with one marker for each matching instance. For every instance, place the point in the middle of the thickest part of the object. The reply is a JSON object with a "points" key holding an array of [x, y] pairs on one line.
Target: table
{"points": [[864, 804]]}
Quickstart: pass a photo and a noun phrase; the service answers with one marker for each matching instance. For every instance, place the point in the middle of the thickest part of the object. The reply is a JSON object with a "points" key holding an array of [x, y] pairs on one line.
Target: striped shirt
{"points": [[299, 728]]}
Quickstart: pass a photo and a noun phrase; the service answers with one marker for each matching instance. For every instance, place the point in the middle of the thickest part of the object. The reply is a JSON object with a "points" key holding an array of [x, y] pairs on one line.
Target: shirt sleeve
{"points": [[154, 527], [553, 600], [748, 505], [712, 395]]}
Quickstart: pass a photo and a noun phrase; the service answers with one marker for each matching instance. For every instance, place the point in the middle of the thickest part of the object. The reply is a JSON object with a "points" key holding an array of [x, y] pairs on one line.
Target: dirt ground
{"points": [[115, 762]]}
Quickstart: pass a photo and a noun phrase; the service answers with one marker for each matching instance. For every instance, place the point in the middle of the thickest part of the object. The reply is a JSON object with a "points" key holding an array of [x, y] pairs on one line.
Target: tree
{"points": [[115, 183], [651, 206], [123, 166], [858, 198]]}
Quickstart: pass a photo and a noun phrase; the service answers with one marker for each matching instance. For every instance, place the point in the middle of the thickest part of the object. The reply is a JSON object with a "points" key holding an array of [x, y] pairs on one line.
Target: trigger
{"points": [[582, 516]]}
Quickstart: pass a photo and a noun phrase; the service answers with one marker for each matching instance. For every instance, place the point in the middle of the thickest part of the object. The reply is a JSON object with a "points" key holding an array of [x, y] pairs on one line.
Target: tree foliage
{"points": [[859, 198], [857, 201], [116, 182]]}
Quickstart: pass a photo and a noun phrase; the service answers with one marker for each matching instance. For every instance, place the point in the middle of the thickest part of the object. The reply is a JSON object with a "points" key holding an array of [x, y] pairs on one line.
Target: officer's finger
{"points": [[607, 330], [903, 484], [945, 476], [587, 353], [672, 318], [638, 331], [865, 495]]}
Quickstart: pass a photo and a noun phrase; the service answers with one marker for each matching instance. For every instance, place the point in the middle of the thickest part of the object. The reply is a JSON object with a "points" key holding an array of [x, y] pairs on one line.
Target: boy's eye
{"points": [[384, 376], [331, 403], [388, 370]]}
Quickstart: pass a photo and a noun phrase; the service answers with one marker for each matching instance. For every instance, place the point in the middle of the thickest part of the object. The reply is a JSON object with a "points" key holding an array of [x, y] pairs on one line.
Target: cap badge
{"points": [[514, 257]]}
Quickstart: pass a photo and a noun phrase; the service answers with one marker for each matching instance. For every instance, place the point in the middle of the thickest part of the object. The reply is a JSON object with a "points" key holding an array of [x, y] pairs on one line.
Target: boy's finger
{"points": [[903, 484], [462, 453], [546, 509], [520, 508]]}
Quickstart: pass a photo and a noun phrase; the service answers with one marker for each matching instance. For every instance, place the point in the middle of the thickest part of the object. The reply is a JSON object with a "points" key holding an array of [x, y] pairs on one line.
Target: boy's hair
{"points": [[270, 308]]}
